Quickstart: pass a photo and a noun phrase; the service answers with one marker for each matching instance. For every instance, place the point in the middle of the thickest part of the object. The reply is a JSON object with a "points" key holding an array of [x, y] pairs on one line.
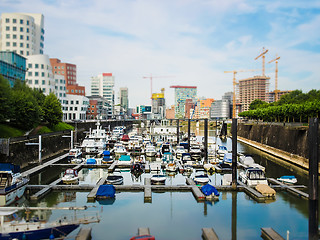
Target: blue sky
{"points": [[191, 41]]}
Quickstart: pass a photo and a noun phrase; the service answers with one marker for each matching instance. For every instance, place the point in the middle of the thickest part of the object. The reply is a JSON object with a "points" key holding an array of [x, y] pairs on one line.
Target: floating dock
{"points": [[270, 234], [92, 195], [290, 188], [209, 234]]}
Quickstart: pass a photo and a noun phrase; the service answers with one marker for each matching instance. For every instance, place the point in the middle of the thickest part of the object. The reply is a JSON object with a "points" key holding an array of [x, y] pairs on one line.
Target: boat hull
{"points": [[57, 231], [8, 196]]}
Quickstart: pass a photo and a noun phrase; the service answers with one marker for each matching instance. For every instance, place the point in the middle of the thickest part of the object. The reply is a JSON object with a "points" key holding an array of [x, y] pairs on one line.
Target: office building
{"points": [[22, 33], [75, 108], [158, 105], [181, 94], [220, 109], [123, 99], [12, 67]]}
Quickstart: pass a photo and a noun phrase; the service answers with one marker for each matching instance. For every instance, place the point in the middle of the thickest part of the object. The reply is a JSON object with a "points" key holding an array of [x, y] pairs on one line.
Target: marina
{"points": [[179, 190]]}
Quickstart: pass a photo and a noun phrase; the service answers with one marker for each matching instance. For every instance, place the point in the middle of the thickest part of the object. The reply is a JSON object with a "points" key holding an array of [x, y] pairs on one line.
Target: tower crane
{"points": [[151, 77], [264, 51], [234, 88], [276, 78]]}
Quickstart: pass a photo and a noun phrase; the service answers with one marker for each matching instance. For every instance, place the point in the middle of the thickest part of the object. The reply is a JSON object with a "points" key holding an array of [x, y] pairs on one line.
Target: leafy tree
{"points": [[257, 103], [5, 99], [52, 110]]}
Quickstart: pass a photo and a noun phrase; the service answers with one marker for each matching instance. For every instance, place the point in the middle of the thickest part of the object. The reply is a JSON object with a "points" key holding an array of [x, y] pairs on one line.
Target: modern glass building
{"points": [[12, 66], [181, 94]]}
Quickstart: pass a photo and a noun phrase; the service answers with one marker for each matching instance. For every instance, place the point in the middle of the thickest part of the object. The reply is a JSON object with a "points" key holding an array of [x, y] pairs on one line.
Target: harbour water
{"points": [[177, 215]]}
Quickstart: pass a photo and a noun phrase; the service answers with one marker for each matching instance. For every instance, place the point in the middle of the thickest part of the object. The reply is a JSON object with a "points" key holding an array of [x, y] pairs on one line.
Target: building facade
{"points": [[181, 94], [22, 33], [204, 110], [98, 108], [250, 89], [12, 67], [271, 95], [220, 109], [123, 99], [158, 105], [75, 108]]}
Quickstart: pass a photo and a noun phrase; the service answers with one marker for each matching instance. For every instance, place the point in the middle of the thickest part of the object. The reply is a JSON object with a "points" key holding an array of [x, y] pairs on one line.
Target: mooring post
{"points": [[189, 121], [178, 132], [206, 139], [313, 178], [234, 216], [234, 152]]}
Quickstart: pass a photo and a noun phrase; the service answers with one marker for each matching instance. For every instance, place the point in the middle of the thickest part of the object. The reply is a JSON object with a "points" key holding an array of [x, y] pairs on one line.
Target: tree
{"points": [[5, 99], [257, 103], [51, 108]]}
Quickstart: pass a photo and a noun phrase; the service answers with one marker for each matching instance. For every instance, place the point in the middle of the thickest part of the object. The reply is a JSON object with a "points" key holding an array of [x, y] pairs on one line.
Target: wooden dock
{"points": [[290, 188], [270, 234], [252, 192], [209, 234], [147, 190], [113, 166], [195, 190], [44, 191], [92, 195]]}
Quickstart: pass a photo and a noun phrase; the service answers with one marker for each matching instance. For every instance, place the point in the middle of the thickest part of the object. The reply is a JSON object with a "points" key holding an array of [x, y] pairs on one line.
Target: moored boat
{"points": [[12, 184], [70, 176], [158, 179], [74, 153], [114, 178], [253, 177], [210, 192], [288, 179], [201, 178]]}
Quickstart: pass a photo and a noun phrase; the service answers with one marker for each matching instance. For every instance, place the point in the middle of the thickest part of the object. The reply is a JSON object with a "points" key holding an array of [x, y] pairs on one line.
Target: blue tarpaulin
{"points": [[107, 191], [125, 158], [106, 153], [209, 189], [91, 161], [9, 167]]}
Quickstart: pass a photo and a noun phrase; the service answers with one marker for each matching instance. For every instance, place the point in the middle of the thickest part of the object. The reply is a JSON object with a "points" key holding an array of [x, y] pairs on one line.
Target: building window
{"points": [[71, 108], [21, 52], [36, 82], [7, 20], [21, 29], [7, 28], [8, 36], [8, 44], [36, 65], [21, 44], [76, 108], [21, 37], [42, 66], [71, 102], [21, 21], [36, 74], [43, 90], [14, 20], [27, 30], [28, 38], [72, 90], [27, 45], [29, 65], [27, 22], [62, 67], [42, 74], [58, 67], [27, 53], [30, 74], [43, 82], [30, 82], [77, 102], [14, 36]]}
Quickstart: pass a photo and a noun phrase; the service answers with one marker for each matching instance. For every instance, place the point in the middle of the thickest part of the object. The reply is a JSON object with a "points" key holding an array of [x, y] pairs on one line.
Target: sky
{"points": [[181, 42]]}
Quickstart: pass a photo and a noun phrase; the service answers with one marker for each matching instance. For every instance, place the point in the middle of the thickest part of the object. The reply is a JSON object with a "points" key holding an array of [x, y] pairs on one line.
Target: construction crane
{"points": [[234, 88], [264, 51], [276, 78], [151, 77]]}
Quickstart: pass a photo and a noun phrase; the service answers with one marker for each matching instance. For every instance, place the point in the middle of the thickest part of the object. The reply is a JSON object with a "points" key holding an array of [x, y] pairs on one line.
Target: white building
{"points": [[75, 108], [22, 33], [102, 85], [220, 109]]}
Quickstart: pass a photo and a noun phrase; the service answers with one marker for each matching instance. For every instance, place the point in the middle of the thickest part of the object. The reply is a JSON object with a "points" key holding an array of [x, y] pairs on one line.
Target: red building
{"points": [[92, 111], [69, 71]]}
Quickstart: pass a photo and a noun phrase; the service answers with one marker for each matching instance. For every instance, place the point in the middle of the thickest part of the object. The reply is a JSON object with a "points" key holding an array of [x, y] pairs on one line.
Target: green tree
{"points": [[257, 103], [5, 99], [52, 112]]}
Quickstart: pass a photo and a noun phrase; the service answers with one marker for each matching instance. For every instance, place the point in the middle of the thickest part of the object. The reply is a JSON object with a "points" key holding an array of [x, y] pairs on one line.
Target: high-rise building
{"points": [[205, 105], [123, 99], [69, 71], [102, 85], [250, 89], [22, 33], [271, 95], [220, 109], [158, 105], [12, 67], [181, 94]]}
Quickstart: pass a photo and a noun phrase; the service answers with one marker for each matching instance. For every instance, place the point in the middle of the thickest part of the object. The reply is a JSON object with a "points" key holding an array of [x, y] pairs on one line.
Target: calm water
{"points": [[177, 215]]}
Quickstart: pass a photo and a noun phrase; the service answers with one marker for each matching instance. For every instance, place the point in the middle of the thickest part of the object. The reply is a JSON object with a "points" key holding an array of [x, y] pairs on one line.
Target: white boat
{"points": [[95, 141], [78, 160], [114, 178], [209, 167], [171, 167], [150, 151], [187, 167], [35, 229], [12, 184], [253, 177], [179, 151], [119, 150], [158, 179], [70, 176], [288, 179], [74, 153], [201, 178], [155, 166], [195, 151], [247, 161], [221, 151]]}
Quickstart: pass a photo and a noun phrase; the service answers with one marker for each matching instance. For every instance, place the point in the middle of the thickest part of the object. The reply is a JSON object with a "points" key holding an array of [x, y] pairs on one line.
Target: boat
{"points": [[247, 161], [201, 178], [221, 151], [288, 179], [167, 157], [119, 150], [74, 153], [143, 237], [210, 192], [179, 151], [171, 167], [155, 166], [78, 160], [166, 148], [158, 179], [187, 167], [114, 178], [106, 191], [95, 141], [12, 184], [32, 229], [253, 176], [125, 138], [125, 158], [195, 151], [186, 159], [106, 157], [227, 158], [137, 167], [209, 167], [150, 151], [70, 176]]}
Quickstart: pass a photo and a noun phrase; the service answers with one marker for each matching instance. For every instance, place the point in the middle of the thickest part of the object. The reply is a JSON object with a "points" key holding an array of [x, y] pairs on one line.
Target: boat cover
{"points": [[9, 167], [209, 189], [91, 161], [125, 158], [287, 177], [106, 153], [107, 191]]}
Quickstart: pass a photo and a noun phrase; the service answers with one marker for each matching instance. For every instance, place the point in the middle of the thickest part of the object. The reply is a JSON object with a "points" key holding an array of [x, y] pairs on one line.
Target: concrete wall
{"points": [[290, 139]]}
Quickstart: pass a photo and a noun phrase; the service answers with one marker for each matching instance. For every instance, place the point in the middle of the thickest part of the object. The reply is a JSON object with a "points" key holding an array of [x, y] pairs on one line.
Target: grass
{"points": [[7, 131]]}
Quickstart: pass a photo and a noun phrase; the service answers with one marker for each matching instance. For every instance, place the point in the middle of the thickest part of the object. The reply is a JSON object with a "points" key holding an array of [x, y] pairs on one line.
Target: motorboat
{"points": [[74, 153], [167, 157], [166, 148], [125, 158], [186, 159], [119, 150], [288, 179], [247, 161], [77, 160], [179, 151], [158, 179], [70, 176], [253, 176], [137, 167], [155, 166], [106, 157], [201, 178], [209, 167], [171, 167], [114, 178], [187, 167], [227, 158], [150, 151], [221, 151], [12, 183], [143, 237], [95, 141], [35, 229], [195, 151]]}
